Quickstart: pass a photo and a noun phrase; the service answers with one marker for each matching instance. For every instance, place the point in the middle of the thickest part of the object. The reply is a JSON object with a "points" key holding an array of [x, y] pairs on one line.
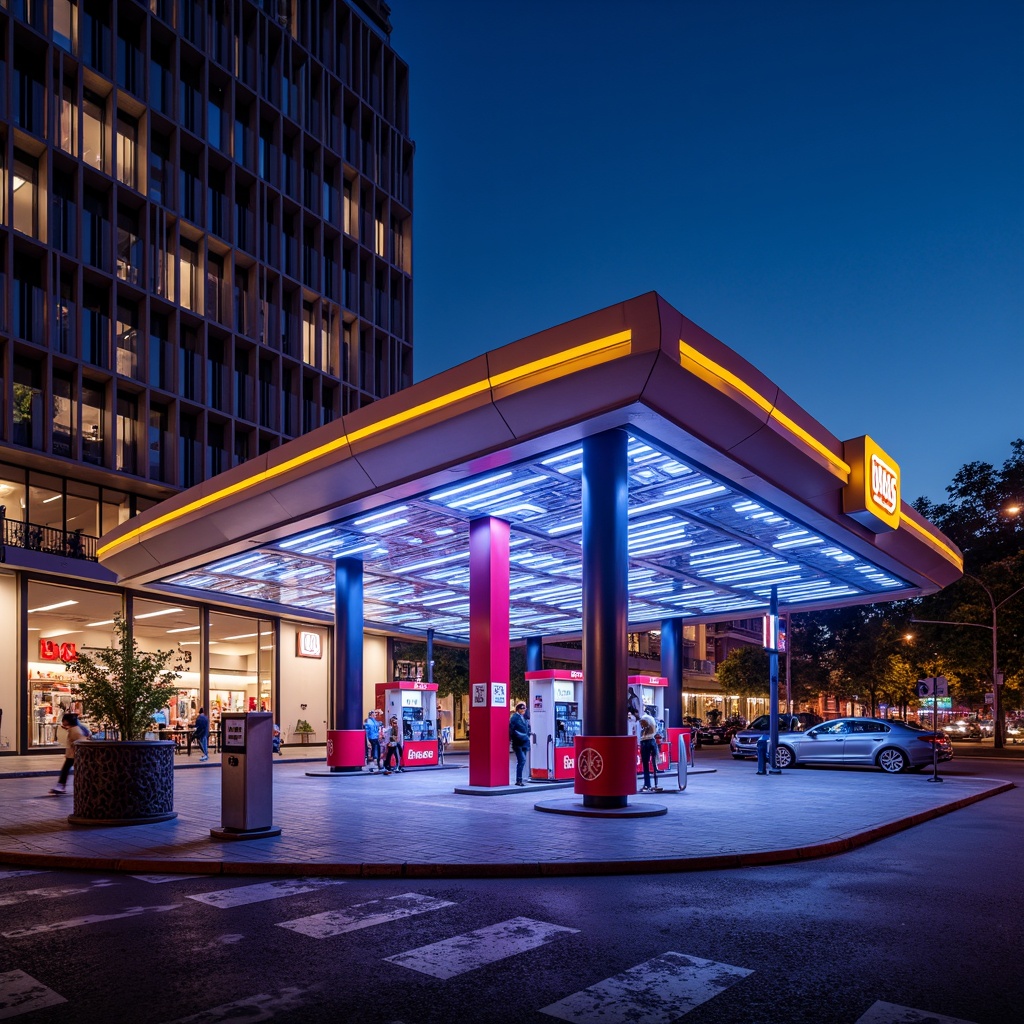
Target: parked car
{"points": [[890, 745], [962, 729], [744, 741], [987, 727], [1014, 732]]}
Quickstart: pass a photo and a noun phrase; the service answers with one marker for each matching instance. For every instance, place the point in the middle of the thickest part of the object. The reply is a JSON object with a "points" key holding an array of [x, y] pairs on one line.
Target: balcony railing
{"points": [[66, 543]]}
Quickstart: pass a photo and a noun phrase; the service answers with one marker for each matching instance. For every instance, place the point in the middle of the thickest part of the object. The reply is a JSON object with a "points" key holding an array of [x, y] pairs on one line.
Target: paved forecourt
{"points": [[415, 824]]}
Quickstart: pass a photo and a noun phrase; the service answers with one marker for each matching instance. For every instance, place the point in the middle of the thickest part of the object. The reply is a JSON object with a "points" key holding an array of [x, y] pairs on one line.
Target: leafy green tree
{"points": [[745, 672], [122, 686]]}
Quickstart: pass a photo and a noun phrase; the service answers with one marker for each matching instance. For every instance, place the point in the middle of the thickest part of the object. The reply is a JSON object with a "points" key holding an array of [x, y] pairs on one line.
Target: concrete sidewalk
{"points": [[414, 824]]}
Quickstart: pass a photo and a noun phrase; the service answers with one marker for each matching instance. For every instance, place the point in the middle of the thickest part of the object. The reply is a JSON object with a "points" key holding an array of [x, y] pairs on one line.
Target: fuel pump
{"points": [[556, 719], [414, 704], [646, 695]]}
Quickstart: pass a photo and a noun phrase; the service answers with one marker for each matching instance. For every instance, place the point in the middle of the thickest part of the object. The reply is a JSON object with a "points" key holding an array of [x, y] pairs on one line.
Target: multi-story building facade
{"points": [[205, 250]]}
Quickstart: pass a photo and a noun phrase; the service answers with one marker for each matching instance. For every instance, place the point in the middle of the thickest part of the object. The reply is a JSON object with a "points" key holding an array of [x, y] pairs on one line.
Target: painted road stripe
{"points": [[467, 952], [157, 879], [20, 874], [20, 993], [243, 895], [79, 922], [364, 915], [252, 1008], [51, 892], [890, 1013], [654, 992]]}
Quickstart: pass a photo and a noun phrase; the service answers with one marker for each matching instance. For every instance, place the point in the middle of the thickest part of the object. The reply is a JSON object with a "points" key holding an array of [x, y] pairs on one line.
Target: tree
{"points": [[124, 687], [745, 672]]}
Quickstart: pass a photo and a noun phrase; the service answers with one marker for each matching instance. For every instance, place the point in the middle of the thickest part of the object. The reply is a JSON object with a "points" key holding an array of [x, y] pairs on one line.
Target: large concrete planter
{"points": [[123, 783]]}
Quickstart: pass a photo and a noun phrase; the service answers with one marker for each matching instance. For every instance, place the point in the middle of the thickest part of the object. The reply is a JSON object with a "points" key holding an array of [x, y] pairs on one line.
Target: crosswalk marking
{"points": [[654, 992], [890, 1013], [251, 1008], [243, 895], [463, 953], [20, 874], [157, 879], [21, 993], [364, 915], [53, 892], [78, 922]]}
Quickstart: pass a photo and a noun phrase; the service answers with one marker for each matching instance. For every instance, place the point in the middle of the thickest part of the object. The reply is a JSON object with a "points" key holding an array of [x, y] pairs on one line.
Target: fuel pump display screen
{"points": [[568, 724]]}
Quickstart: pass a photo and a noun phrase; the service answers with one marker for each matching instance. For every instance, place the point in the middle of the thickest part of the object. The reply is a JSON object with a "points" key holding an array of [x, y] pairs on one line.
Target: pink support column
{"points": [[488, 653]]}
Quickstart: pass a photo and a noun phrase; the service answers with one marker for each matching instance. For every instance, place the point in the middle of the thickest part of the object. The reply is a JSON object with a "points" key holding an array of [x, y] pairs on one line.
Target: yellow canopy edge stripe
{"points": [[609, 347], [947, 552], [689, 354]]}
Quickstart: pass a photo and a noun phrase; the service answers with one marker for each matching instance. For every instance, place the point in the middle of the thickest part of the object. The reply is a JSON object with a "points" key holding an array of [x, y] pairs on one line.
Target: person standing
{"points": [[396, 740], [649, 752], [76, 732], [519, 734], [385, 739], [202, 733], [372, 728]]}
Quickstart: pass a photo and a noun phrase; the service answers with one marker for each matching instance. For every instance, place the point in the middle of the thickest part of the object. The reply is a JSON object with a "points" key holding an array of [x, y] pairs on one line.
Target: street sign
{"points": [[937, 686]]}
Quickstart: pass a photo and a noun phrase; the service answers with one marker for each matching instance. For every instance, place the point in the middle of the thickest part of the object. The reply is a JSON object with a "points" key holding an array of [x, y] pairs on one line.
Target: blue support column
{"points": [[605, 590], [534, 653], [672, 670], [348, 644]]}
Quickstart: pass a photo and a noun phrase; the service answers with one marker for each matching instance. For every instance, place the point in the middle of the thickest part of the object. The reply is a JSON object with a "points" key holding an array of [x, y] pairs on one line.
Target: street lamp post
{"points": [[997, 708]]}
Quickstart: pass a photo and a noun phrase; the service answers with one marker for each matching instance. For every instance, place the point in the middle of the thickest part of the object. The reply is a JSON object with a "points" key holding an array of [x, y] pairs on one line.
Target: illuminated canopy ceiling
{"points": [[732, 490]]}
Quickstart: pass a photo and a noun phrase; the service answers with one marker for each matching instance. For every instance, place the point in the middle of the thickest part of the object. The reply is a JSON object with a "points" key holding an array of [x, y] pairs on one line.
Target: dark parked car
{"points": [[744, 742], [889, 745], [962, 729]]}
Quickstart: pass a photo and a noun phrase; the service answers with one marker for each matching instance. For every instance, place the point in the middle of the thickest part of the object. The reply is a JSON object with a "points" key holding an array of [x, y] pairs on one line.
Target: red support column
{"points": [[488, 653]]}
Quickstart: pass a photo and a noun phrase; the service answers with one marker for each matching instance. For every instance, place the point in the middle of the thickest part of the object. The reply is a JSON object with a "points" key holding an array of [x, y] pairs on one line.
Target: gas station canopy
{"points": [[733, 490]]}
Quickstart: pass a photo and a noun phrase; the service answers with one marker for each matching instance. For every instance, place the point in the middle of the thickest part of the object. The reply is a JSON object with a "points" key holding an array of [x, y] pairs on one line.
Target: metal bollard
{"points": [[762, 755]]}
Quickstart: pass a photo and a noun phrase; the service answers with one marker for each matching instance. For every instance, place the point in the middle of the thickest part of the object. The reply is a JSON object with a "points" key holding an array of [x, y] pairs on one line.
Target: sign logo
{"points": [[50, 651], [499, 695], [872, 496], [568, 762], [308, 645], [885, 485], [591, 764], [419, 755], [479, 695]]}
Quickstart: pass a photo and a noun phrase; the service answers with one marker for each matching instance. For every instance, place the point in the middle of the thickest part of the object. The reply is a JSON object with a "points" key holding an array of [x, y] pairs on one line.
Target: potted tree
{"points": [[123, 779]]}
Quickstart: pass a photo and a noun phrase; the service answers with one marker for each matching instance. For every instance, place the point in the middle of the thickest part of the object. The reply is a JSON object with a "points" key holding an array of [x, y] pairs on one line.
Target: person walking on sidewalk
{"points": [[372, 728], [76, 732], [202, 733], [649, 752], [519, 734]]}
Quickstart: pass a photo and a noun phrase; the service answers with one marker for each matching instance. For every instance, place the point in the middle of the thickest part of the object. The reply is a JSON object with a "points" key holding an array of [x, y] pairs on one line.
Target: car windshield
{"points": [[763, 723]]}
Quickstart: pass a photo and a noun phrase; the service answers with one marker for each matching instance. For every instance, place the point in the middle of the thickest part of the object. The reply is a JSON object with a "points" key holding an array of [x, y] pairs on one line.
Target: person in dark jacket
{"points": [[202, 734], [519, 734]]}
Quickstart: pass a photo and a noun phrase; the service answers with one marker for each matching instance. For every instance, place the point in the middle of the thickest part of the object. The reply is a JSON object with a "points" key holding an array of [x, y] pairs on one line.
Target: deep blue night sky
{"points": [[832, 189]]}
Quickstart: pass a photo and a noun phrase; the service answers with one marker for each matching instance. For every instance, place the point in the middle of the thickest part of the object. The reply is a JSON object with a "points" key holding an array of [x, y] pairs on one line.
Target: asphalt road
{"points": [[924, 926]]}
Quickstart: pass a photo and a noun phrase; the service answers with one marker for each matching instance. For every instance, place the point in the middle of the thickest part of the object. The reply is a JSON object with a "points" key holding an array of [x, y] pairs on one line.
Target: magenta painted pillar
{"points": [[488, 653]]}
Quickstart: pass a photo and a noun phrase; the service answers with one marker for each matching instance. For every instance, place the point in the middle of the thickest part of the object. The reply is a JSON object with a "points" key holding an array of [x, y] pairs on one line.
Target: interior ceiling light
{"points": [[51, 607]]}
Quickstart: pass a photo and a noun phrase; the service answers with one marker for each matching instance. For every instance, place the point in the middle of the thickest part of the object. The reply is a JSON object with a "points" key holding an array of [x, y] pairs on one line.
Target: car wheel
{"points": [[784, 757], [892, 760]]}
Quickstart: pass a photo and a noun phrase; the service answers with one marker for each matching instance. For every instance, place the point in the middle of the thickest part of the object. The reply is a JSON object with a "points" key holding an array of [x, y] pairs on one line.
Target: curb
{"points": [[526, 869]]}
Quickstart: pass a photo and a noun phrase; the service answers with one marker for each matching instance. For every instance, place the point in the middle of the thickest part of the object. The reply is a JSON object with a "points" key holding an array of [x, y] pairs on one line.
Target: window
{"points": [[128, 340], [191, 97], [28, 300], [190, 454], [217, 451], [94, 130], [190, 368], [29, 103], [27, 400], [67, 117], [95, 36], [95, 326], [188, 281], [127, 141], [245, 221], [93, 416], [25, 213], [65, 24], [216, 375], [127, 433], [244, 320], [160, 352], [129, 246], [160, 175], [64, 313], [129, 56], [217, 202], [310, 339], [63, 416], [161, 86], [215, 287], [191, 196], [95, 230], [243, 386], [159, 441], [64, 213]]}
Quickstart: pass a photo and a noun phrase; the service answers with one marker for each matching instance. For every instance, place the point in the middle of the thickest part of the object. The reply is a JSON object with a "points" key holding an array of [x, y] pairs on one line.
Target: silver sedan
{"points": [[889, 745]]}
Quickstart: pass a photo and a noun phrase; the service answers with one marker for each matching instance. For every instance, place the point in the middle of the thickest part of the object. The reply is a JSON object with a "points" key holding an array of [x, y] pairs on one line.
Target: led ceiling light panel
{"points": [[697, 547]]}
